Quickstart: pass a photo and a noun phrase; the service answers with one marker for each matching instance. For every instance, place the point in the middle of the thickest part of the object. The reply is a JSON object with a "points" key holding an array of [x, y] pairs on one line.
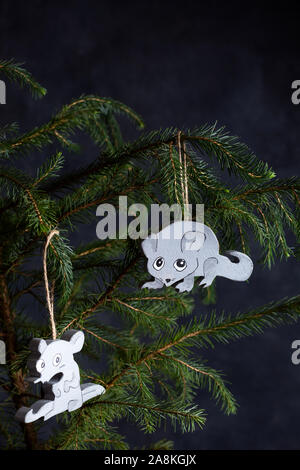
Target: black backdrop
{"points": [[182, 64]]}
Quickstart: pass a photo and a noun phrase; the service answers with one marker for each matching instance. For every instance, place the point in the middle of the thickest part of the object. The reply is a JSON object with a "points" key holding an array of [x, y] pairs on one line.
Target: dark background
{"points": [[182, 64]]}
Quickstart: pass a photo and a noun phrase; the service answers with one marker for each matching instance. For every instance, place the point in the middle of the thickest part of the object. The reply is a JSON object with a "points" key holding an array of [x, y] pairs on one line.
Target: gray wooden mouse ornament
{"points": [[51, 362], [186, 249]]}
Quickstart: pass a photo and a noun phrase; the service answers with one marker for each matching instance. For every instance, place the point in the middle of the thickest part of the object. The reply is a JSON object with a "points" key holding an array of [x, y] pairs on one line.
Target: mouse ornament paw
{"points": [[52, 363], [182, 287], [153, 285], [185, 250]]}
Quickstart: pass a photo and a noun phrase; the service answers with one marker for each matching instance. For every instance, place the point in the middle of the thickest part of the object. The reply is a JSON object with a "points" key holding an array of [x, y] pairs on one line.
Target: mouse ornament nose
{"points": [[190, 250]]}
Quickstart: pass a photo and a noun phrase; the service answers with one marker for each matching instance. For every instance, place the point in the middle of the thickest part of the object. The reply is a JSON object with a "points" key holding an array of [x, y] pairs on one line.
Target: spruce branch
{"points": [[76, 115], [147, 342], [188, 417]]}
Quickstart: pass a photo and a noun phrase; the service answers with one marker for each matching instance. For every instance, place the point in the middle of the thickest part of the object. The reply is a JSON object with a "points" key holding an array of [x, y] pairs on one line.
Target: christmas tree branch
{"points": [[103, 297], [222, 330], [102, 339], [17, 378], [103, 199], [75, 115], [189, 418], [151, 373]]}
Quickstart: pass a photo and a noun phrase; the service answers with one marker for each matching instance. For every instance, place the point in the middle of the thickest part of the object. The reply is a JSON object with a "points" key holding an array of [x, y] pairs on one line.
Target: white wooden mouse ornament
{"points": [[51, 362], [187, 249]]}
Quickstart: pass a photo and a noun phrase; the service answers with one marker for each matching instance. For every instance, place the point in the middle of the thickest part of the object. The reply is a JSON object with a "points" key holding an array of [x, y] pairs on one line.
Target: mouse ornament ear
{"points": [[149, 245], [75, 338], [192, 241]]}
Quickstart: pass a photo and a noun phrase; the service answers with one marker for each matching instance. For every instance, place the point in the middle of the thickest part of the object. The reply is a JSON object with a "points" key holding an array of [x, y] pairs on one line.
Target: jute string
{"points": [[49, 294], [183, 169]]}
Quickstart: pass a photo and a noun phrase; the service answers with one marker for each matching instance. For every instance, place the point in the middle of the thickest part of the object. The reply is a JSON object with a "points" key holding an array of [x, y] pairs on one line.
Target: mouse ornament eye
{"points": [[159, 263], [180, 264], [40, 365], [56, 360]]}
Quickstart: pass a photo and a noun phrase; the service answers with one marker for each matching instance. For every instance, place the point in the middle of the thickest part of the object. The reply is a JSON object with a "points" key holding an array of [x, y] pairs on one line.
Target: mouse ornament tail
{"points": [[238, 271]]}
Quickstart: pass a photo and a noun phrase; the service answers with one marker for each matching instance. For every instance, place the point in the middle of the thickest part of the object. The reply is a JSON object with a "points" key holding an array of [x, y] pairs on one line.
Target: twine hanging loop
{"points": [[49, 295], [183, 169]]}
